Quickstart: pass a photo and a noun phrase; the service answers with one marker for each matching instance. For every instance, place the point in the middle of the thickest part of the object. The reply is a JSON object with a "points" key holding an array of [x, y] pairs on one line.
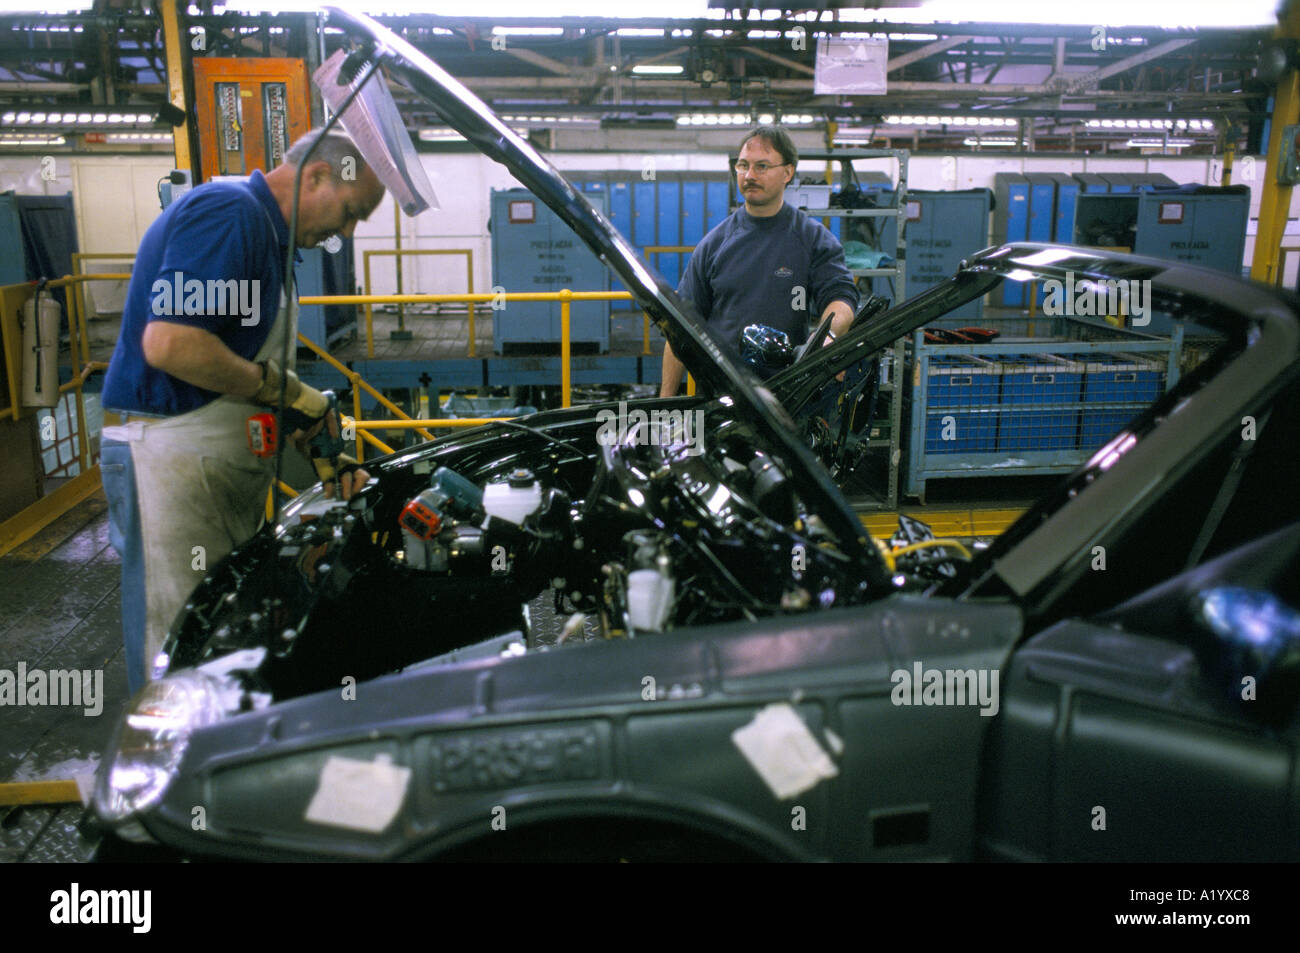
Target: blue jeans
{"points": [[118, 475]]}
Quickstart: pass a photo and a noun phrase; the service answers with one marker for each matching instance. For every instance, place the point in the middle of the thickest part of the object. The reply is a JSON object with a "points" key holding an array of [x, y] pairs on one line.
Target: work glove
{"points": [[325, 466], [339, 472], [304, 405], [344, 482]]}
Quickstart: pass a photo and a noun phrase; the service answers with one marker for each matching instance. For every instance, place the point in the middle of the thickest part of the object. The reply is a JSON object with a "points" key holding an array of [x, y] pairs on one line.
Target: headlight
{"points": [[152, 740]]}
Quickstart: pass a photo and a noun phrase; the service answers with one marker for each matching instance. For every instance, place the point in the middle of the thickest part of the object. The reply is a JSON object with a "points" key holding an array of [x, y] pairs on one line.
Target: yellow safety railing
{"points": [[404, 420], [79, 343], [284, 488], [32, 519], [564, 296], [399, 254], [77, 299], [358, 384]]}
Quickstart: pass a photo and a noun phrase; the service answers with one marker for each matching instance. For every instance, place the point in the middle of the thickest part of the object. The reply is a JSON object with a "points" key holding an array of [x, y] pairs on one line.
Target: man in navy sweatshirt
{"points": [[766, 263]]}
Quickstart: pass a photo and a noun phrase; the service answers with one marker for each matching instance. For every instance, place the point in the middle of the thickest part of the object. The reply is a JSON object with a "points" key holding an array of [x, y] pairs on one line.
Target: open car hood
{"points": [[691, 340], [468, 115]]}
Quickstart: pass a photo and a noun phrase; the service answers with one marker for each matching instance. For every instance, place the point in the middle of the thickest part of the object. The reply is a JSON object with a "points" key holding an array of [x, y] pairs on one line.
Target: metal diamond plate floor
{"points": [[59, 611]]}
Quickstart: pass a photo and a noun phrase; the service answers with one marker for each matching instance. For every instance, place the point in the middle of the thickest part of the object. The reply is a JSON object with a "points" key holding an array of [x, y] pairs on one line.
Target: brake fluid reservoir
{"points": [[515, 499]]}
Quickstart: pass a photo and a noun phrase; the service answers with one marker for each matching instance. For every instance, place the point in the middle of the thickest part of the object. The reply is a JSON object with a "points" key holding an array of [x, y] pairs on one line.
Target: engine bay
{"points": [[643, 532]]}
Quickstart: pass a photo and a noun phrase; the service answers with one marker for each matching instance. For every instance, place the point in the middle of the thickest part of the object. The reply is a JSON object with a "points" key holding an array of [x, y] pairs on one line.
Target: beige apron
{"points": [[202, 492]]}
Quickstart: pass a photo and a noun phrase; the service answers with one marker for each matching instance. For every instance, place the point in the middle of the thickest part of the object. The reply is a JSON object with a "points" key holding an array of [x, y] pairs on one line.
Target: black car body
{"points": [[750, 676]]}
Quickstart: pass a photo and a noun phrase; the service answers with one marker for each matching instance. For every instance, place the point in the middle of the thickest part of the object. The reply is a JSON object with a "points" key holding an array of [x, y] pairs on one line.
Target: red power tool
{"points": [[262, 437]]}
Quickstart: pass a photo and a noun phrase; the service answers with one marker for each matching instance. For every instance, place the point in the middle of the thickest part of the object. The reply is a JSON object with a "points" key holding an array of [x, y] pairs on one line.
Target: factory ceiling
{"points": [[1049, 87]]}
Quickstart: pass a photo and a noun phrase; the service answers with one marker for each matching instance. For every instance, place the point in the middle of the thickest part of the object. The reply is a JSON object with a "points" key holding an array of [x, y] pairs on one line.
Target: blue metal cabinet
{"points": [[620, 216], [533, 250], [1146, 181], [1200, 225], [1207, 228], [1203, 226], [1090, 183], [673, 208], [717, 206], [1042, 211], [1067, 195], [669, 215], [1042, 206], [717, 203], [694, 212], [620, 207], [941, 228], [645, 225], [13, 267], [695, 216], [1011, 224], [1119, 182]]}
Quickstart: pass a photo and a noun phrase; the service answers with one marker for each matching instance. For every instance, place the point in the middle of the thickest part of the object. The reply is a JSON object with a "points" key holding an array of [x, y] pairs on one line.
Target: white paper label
{"points": [[783, 751], [359, 795]]}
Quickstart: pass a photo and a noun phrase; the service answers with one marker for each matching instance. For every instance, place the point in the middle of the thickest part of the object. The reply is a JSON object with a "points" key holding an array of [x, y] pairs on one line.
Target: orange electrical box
{"points": [[249, 111]]}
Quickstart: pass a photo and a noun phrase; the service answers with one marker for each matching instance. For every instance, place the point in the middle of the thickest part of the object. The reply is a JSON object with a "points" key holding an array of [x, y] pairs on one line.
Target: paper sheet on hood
{"points": [[375, 125], [359, 795], [786, 755]]}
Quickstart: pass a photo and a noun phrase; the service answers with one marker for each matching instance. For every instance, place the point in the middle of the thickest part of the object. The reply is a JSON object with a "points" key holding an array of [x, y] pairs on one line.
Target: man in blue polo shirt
{"points": [[199, 353], [767, 263]]}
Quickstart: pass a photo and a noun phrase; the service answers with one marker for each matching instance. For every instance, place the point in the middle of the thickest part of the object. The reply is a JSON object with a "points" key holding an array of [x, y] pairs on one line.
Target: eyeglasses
{"points": [[762, 168]]}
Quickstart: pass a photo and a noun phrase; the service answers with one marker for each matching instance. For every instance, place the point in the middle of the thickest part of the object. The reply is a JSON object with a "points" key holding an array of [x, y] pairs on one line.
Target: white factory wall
{"points": [[115, 198]]}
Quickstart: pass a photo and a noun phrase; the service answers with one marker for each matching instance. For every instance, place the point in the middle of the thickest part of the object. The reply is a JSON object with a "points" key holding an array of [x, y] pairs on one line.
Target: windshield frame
{"points": [[1040, 556]]}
